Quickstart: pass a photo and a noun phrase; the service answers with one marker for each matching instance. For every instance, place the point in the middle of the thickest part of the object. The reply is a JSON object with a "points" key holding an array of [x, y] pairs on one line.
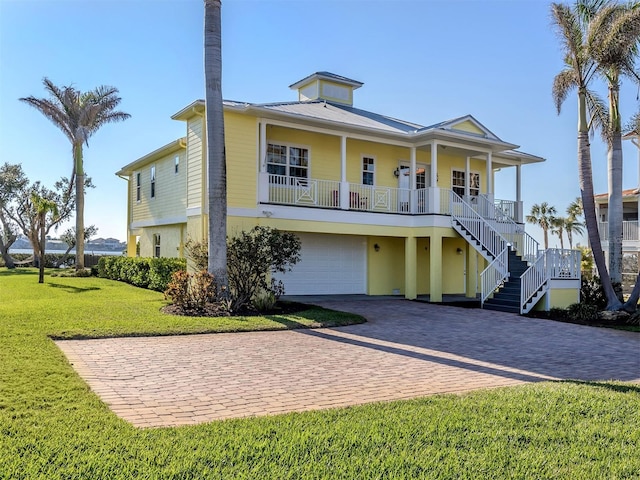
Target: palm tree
{"points": [[571, 226], [543, 215], [216, 160], [557, 228], [79, 115], [614, 32], [578, 72], [42, 206], [575, 210]]}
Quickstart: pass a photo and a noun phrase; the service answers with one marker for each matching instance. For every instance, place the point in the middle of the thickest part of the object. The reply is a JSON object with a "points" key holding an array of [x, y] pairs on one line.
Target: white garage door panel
{"points": [[329, 264]]}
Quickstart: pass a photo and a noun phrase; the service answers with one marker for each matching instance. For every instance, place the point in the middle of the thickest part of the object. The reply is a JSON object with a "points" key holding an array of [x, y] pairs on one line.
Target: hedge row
{"points": [[151, 273]]}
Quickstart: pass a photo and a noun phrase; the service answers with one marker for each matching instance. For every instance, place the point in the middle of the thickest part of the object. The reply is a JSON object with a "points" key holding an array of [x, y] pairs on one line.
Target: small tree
{"points": [[543, 215], [12, 182], [43, 207], [69, 237]]}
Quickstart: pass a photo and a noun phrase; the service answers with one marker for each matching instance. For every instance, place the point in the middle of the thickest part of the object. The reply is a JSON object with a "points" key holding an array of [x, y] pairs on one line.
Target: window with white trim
{"points": [[288, 160], [138, 184], [458, 183], [156, 245], [368, 169], [153, 181]]}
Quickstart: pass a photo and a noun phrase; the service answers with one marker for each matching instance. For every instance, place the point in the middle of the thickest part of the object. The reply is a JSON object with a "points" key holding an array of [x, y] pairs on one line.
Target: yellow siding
{"points": [[453, 281], [242, 168], [385, 267], [467, 126], [171, 240], [195, 152], [169, 200]]}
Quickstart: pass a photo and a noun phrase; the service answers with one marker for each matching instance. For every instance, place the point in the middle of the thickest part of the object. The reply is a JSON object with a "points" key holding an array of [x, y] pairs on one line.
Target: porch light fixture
{"points": [[396, 172], [376, 247], [459, 251]]}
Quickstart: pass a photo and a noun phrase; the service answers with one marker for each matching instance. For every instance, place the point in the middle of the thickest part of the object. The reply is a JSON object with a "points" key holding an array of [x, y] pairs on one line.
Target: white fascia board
{"points": [[341, 216], [156, 222], [194, 211], [179, 144]]}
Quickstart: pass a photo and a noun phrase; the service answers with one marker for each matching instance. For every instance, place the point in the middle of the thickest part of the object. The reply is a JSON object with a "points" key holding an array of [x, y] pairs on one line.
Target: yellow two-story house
{"points": [[382, 206]]}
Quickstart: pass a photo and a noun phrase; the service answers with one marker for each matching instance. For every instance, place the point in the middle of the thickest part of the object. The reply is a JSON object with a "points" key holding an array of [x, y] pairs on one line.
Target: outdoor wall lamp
{"points": [[459, 251], [396, 172], [376, 247]]}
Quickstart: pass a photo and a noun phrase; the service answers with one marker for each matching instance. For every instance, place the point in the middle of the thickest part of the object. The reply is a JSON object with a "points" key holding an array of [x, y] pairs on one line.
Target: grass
{"points": [[52, 426]]}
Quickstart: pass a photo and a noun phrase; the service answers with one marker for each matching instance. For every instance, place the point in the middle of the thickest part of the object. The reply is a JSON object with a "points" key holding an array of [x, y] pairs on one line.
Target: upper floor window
{"points": [[288, 160], [458, 183], [368, 164], [138, 183], [177, 164], [153, 181]]}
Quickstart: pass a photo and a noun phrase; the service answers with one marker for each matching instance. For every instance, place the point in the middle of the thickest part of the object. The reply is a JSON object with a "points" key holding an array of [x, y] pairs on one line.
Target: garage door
{"points": [[329, 264]]}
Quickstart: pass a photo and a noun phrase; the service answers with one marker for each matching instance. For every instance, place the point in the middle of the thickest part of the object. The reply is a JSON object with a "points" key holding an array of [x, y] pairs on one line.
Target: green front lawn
{"points": [[52, 426]]}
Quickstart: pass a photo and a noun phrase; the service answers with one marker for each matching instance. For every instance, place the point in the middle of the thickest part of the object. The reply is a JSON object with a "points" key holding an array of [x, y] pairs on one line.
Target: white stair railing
{"points": [[492, 245], [494, 275], [523, 243], [534, 279]]}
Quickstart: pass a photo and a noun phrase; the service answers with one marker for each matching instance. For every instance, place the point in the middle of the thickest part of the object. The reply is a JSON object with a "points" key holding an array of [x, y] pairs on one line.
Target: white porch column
{"points": [[344, 185], [467, 178], [519, 208], [263, 178], [489, 177], [434, 191], [413, 195]]}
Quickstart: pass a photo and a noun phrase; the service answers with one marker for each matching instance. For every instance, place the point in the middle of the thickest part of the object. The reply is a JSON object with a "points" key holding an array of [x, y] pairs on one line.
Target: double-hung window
{"points": [[176, 166], [287, 160], [156, 245], [153, 181], [368, 169], [138, 183]]}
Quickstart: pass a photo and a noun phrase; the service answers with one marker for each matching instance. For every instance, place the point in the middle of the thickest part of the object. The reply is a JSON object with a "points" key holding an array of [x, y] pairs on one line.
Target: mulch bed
{"points": [[213, 310]]}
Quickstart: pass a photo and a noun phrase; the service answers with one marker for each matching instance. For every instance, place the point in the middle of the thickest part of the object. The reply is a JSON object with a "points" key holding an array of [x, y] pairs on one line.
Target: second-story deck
{"points": [[318, 193]]}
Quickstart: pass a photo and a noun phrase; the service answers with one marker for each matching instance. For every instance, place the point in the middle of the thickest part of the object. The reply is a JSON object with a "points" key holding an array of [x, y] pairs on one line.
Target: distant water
{"points": [[61, 252]]}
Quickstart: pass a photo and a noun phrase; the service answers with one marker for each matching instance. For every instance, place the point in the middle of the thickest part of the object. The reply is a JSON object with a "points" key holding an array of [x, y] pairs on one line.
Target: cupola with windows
{"points": [[326, 86]]}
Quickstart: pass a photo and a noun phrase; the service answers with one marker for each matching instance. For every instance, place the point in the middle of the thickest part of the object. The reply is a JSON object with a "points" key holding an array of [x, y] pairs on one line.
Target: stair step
{"points": [[501, 308]]}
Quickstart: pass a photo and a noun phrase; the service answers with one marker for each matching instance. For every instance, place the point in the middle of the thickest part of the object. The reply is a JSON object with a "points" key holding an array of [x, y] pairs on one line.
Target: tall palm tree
{"points": [[216, 159], [543, 215], [575, 210], [43, 206], [571, 226], [79, 115], [613, 35], [557, 228], [578, 72]]}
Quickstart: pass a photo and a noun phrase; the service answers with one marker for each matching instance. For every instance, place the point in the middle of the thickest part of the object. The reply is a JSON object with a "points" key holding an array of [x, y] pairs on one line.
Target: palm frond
{"points": [[598, 114], [563, 84]]}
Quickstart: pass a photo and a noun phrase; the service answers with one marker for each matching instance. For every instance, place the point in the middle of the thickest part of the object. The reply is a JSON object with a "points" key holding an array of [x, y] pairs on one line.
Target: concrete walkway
{"points": [[406, 350]]}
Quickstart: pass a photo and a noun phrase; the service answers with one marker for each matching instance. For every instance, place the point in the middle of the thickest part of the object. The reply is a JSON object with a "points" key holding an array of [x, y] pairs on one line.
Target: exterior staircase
{"points": [[507, 297], [516, 277]]}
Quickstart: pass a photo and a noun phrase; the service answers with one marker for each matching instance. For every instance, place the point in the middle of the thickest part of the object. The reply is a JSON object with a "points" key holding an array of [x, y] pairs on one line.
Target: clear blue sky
{"points": [[423, 61]]}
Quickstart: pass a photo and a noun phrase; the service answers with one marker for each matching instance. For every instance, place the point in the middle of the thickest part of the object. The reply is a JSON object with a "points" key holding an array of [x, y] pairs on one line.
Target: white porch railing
{"points": [[303, 192], [507, 207], [494, 275], [372, 198], [563, 264], [629, 230]]}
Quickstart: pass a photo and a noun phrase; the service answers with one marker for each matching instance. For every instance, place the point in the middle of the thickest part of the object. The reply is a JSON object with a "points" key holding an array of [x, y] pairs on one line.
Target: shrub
{"points": [[152, 273], [264, 301], [198, 253], [252, 256], [592, 293], [582, 312], [193, 292]]}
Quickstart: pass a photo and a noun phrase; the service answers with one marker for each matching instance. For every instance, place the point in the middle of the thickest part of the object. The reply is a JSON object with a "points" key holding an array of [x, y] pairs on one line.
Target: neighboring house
{"points": [[382, 206]]}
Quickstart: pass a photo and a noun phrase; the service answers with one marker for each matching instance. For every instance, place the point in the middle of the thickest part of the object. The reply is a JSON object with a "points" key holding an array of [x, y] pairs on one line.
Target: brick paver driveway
{"points": [[406, 350]]}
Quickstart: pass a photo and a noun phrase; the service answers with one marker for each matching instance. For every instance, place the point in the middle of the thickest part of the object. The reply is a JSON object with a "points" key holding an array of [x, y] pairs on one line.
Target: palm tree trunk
{"points": [[216, 160], [546, 238], [614, 161], [588, 203], [42, 246], [79, 169]]}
